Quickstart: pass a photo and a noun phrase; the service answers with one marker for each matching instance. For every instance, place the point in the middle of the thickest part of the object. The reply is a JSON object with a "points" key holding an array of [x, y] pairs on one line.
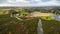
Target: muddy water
{"points": [[39, 28]]}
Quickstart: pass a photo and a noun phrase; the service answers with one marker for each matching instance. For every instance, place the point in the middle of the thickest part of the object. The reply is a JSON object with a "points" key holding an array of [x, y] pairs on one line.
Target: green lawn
{"points": [[23, 12], [47, 18]]}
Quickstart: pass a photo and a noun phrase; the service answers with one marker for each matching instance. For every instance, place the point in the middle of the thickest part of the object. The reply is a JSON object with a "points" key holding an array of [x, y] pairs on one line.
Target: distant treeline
{"points": [[29, 10]]}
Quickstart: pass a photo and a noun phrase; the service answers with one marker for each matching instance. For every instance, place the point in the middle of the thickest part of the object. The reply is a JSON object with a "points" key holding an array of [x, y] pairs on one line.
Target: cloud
{"points": [[3, 1], [45, 0], [22, 3]]}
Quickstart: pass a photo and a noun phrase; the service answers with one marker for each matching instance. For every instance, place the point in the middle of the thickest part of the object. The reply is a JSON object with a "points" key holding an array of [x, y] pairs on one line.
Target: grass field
{"points": [[47, 18], [51, 26], [10, 25]]}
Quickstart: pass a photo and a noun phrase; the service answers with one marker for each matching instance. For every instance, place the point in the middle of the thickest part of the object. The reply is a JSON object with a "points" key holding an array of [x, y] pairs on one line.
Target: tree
{"points": [[12, 12]]}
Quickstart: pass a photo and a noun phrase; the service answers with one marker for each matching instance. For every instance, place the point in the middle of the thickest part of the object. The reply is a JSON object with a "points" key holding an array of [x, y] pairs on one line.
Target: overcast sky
{"points": [[29, 3]]}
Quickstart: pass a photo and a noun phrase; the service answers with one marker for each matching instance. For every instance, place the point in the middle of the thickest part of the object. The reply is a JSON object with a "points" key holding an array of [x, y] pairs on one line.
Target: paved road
{"points": [[18, 18]]}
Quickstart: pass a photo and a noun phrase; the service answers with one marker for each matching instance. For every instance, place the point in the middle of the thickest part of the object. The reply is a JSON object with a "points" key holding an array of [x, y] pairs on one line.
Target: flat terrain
{"points": [[51, 26], [42, 14], [10, 25]]}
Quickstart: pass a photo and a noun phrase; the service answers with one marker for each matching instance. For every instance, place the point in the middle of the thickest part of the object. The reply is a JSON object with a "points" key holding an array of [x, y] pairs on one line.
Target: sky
{"points": [[29, 3]]}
